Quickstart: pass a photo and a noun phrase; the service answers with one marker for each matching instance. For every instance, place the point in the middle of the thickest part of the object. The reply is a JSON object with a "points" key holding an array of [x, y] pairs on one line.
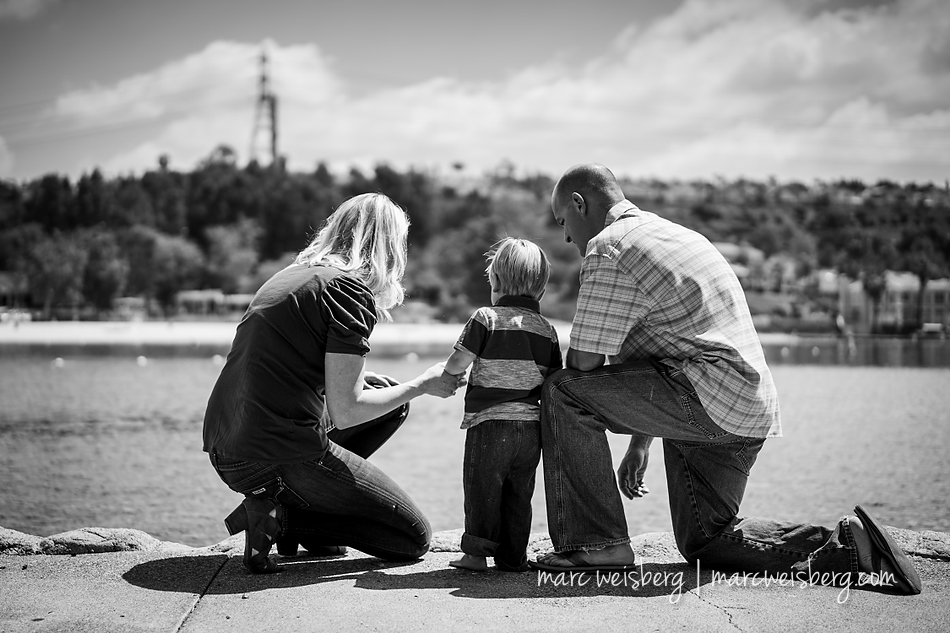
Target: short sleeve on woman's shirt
{"points": [[349, 311]]}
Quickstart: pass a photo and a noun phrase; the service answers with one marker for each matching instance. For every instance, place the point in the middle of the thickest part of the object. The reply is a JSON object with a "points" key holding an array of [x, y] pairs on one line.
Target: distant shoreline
{"points": [[214, 337], [193, 338]]}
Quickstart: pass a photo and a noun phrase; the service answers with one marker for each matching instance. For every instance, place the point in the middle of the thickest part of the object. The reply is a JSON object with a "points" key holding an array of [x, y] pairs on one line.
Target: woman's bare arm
{"points": [[349, 404]]}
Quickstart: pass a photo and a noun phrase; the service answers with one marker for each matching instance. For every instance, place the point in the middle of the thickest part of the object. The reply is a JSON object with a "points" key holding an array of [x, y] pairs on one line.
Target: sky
{"points": [[798, 90]]}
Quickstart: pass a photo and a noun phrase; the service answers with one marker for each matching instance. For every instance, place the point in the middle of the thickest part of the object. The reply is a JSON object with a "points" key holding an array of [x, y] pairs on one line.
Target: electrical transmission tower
{"points": [[265, 115]]}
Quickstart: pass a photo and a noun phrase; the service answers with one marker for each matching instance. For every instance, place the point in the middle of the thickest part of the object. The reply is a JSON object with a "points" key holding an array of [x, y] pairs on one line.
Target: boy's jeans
{"points": [[501, 460], [341, 499], [706, 469]]}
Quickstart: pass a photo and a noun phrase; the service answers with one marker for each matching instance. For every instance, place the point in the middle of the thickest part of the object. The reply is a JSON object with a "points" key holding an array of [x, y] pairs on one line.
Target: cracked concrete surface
{"points": [[147, 585]]}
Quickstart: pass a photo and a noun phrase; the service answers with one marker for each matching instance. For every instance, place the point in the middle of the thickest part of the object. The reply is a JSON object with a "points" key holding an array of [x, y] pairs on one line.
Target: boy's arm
{"points": [[458, 362], [473, 337]]}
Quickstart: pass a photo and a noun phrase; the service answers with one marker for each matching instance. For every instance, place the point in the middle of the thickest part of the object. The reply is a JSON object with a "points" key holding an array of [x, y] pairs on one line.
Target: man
{"points": [[685, 365]]}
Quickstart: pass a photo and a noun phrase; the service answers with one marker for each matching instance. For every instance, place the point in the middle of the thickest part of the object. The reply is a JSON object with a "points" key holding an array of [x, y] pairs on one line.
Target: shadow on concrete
{"points": [[646, 581], [224, 575], [219, 575], [180, 574]]}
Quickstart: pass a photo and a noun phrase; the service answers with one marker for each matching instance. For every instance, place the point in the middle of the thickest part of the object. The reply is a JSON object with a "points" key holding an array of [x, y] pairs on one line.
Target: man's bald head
{"points": [[595, 183], [581, 200]]}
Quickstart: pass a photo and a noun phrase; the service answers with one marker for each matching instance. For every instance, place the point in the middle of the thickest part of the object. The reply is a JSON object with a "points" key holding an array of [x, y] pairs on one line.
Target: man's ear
{"points": [[580, 205]]}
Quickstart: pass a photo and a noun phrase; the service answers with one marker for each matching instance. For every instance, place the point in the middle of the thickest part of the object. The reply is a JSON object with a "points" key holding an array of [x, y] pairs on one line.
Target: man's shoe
{"points": [[890, 565]]}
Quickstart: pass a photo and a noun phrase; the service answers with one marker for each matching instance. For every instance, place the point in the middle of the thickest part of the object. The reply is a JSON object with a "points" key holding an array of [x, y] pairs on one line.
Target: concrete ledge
{"points": [[97, 540], [90, 540]]}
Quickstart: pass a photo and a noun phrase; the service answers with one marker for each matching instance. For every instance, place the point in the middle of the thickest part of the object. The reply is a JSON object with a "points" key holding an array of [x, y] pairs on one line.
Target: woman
{"points": [[294, 415]]}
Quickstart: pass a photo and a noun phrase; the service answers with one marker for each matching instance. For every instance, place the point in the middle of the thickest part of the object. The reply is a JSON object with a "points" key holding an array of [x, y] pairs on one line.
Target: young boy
{"points": [[512, 349]]}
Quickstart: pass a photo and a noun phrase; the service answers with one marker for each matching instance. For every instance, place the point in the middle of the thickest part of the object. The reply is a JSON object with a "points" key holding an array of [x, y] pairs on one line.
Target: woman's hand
{"points": [[456, 380], [350, 404], [435, 381]]}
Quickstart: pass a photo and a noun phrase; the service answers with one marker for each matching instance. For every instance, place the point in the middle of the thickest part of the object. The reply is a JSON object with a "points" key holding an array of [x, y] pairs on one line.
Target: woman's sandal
{"points": [[259, 519]]}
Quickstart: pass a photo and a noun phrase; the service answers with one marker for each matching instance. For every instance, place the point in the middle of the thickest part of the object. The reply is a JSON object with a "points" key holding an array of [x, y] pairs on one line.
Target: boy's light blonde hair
{"points": [[518, 267], [366, 235]]}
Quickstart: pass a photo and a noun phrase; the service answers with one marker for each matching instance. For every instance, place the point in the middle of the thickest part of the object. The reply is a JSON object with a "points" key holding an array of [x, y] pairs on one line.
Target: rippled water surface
{"points": [[110, 442]]}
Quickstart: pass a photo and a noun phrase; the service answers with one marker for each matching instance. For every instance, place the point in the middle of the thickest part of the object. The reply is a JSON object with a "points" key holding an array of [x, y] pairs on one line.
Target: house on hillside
{"points": [[747, 262], [897, 310], [211, 301]]}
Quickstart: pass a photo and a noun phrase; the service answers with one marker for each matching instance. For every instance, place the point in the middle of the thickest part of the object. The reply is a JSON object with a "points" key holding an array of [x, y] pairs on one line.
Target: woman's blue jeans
{"points": [[340, 499], [707, 469]]}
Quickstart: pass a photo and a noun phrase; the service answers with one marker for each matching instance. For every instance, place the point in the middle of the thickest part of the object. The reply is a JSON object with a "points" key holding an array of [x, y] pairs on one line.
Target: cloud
{"points": [[23, 9], [6, 160], [720, 87], [199, 102]]}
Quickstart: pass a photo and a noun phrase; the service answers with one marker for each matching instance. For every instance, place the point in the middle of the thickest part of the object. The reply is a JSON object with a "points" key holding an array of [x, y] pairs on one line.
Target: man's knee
{"points": [[691, 543], [698, 542], [552, 384]]}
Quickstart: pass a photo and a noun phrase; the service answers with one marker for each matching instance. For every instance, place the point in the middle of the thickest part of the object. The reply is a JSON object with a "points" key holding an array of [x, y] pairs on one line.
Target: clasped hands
{"points": [[435, 381], [452, 382]]}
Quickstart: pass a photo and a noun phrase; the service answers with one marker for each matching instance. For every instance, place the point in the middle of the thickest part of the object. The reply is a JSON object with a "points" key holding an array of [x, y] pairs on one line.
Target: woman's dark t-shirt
{"points": [[268, 404]]}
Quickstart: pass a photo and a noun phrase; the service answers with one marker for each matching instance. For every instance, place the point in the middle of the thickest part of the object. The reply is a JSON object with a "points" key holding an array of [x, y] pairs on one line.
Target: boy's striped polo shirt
{"points": [[515, 349]]}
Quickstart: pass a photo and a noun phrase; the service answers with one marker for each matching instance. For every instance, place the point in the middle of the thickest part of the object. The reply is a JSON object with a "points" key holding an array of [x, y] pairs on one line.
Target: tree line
{"points": [[81, 245]]}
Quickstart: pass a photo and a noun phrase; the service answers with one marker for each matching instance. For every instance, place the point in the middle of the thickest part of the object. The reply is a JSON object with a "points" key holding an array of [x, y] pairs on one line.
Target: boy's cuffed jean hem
{"points": [[504, 560], [478, 546], [591, 547]]}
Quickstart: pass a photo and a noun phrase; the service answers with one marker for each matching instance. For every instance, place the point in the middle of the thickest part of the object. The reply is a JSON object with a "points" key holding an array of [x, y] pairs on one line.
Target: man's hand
{"points": [[633, 467], [584, 361]]}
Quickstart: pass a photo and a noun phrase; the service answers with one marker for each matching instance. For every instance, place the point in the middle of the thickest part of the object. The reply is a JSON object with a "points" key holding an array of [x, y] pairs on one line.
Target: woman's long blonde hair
{"points": [[366, 236]]}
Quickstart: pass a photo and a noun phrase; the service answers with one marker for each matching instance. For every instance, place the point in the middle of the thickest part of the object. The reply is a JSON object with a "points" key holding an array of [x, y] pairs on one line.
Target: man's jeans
{"points": [[341, 499], [501, 460], [707, 469]]}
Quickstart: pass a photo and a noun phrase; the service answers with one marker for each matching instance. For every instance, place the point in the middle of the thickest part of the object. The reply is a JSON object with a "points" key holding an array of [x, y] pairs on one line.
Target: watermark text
{"points": [[673, 582]]}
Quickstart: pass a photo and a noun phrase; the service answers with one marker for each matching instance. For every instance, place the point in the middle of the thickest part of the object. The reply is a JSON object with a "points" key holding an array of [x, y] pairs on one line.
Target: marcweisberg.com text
{"points": [[640, 579]]}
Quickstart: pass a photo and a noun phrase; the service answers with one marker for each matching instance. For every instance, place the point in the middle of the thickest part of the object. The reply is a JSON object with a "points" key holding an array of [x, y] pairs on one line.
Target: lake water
{"points": [[107, 441]]}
